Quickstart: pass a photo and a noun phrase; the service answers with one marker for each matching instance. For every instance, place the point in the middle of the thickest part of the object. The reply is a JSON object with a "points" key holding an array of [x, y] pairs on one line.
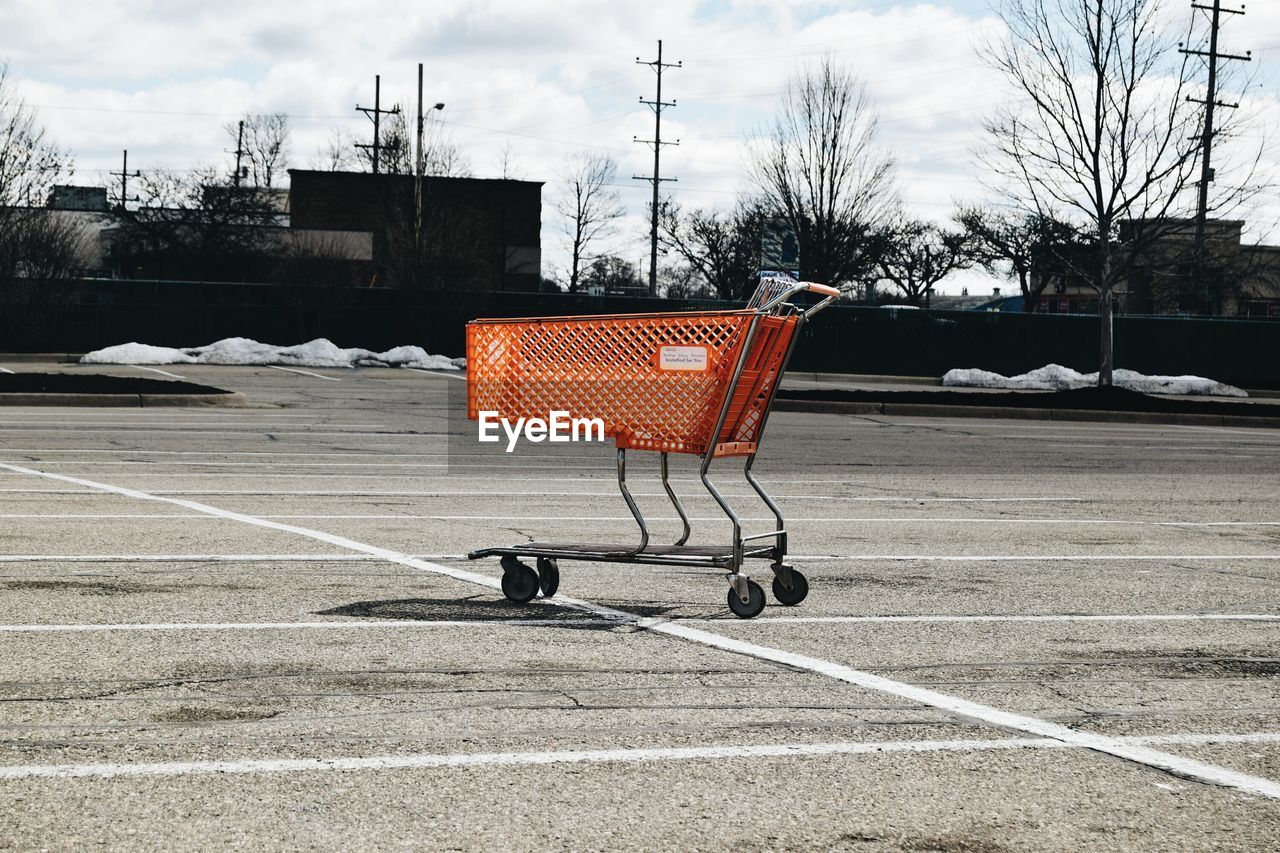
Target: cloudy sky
{"points": [[538, 80]]}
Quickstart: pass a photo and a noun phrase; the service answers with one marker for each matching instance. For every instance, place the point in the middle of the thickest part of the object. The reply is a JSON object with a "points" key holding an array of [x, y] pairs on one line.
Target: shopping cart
{"points": [[689, 382]]}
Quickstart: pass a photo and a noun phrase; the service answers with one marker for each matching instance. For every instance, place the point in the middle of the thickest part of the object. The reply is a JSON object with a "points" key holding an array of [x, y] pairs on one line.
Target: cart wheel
{"points": [[795, 595], [519, 582], [548, 576], [753, 605]]}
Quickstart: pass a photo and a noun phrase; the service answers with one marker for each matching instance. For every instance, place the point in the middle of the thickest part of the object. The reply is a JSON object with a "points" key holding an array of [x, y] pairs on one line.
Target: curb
{"points": [[865, 378], [933, 410], [138, 401], [42, 357]]}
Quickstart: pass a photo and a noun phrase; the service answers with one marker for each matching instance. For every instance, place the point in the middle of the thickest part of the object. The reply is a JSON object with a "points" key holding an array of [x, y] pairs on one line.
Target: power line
{"points": [[656, 178]]}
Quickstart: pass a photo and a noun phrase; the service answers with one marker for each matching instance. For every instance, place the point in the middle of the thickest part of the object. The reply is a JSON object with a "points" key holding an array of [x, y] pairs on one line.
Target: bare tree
{"points": [[1100, 133], [42, 252], [588, 205], [821, 167], [266, 144], [38, 248], [29, 162], [336, 154], [507, 165], [722, 249], [920, 255], [1028, 248], [614, 276], [194, 224], [441, 156]]}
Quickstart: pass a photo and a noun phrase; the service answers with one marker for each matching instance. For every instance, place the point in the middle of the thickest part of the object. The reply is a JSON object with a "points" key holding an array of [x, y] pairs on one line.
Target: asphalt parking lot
{"points": [[256, 628]]}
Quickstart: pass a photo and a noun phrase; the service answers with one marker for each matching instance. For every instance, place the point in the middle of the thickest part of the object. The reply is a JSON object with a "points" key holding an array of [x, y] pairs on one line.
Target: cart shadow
{"points": [[481, 609]]}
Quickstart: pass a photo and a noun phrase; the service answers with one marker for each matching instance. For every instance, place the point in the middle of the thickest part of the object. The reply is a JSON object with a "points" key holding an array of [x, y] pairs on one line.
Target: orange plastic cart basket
{"points": [[657, 381]]}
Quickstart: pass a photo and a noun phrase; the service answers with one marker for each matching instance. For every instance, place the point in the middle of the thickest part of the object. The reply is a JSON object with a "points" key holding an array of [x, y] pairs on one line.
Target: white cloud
{"points": [[545, 78]]}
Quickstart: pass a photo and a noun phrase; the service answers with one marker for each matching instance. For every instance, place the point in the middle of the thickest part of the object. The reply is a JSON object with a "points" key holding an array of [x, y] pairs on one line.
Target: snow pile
{"points": [[1055, 377], [243, 351]]}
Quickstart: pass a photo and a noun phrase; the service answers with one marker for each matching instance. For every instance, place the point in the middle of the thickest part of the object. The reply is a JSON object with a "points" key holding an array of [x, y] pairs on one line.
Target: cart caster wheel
{"points": [[548, 576], [753, 605], [795, 595], [519, 582]]}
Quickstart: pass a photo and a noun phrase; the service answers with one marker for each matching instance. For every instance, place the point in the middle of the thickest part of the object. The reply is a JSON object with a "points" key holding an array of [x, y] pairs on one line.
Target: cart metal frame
{"points": [[746, 599]]}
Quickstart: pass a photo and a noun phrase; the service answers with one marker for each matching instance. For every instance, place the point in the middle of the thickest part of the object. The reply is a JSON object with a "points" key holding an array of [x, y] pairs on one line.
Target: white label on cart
{"points": [[692, 358]]}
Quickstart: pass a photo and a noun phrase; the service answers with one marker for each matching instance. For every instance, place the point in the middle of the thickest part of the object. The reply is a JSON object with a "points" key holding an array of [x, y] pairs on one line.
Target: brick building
{"points": [[482, 234]]}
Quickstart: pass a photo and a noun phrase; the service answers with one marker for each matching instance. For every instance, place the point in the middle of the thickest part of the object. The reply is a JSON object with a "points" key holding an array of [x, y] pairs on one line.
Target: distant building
{"points": [[1237, 279], [993, 301], [78, 198], [475, 234], [238, 234], [87, 210], [328, 228]]}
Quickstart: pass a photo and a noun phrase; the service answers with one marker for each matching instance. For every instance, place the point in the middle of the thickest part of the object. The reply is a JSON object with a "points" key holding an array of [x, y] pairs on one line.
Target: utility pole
{"points": [[376, 112], [1207, 132], [417, 179], [235, 179], [124, 174], [656, 143]]}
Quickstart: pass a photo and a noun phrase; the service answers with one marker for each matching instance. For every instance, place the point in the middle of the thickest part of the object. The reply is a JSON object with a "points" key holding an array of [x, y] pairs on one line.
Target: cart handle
{"points": [[830, 294]]}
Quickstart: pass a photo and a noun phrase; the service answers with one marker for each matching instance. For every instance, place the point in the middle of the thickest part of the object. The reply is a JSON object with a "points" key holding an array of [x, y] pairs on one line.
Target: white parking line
{"points": [[693, 518], [597, 756], [157, 370], [361, 493], [963, 708], [418, 624], [1042, 617], [1029, 558], [376, 624], [797, 558], [216, 463], [255, 428], [205, 558], [445, 374], [302, 372], [5, 370]]}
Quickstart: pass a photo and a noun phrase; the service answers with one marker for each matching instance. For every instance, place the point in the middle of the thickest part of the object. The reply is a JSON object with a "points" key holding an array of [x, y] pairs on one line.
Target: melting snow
{"points": [[1055, 377], [318, 353]]}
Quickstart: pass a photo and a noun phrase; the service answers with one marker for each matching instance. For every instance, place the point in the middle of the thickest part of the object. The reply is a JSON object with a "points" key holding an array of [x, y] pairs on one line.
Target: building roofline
{"points": [[385, 175]]}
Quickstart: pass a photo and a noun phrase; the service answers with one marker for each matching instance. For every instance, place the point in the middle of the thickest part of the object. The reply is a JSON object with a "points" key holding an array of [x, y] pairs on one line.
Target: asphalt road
{"points": [[255, 628]]}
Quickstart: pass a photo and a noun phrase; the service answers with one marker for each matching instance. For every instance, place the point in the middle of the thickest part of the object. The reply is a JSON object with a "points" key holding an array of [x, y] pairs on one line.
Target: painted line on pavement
{"points": [[389, 624], [799, 558], [257, 428], [1029, 558], [157, 370], [445, 374], [330, 493], [300, 626], [6, 370], [612, 518], [302, 372], [592, 756], [77, 463], [1174, 764]]}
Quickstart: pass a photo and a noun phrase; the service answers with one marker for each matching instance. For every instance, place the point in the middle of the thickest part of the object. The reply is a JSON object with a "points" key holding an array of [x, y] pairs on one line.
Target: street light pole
{"points": [[419, 166]]}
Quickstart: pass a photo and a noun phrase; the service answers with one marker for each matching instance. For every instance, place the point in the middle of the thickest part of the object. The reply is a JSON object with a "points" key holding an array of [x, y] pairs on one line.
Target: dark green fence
{"points": [[93, 314]]}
